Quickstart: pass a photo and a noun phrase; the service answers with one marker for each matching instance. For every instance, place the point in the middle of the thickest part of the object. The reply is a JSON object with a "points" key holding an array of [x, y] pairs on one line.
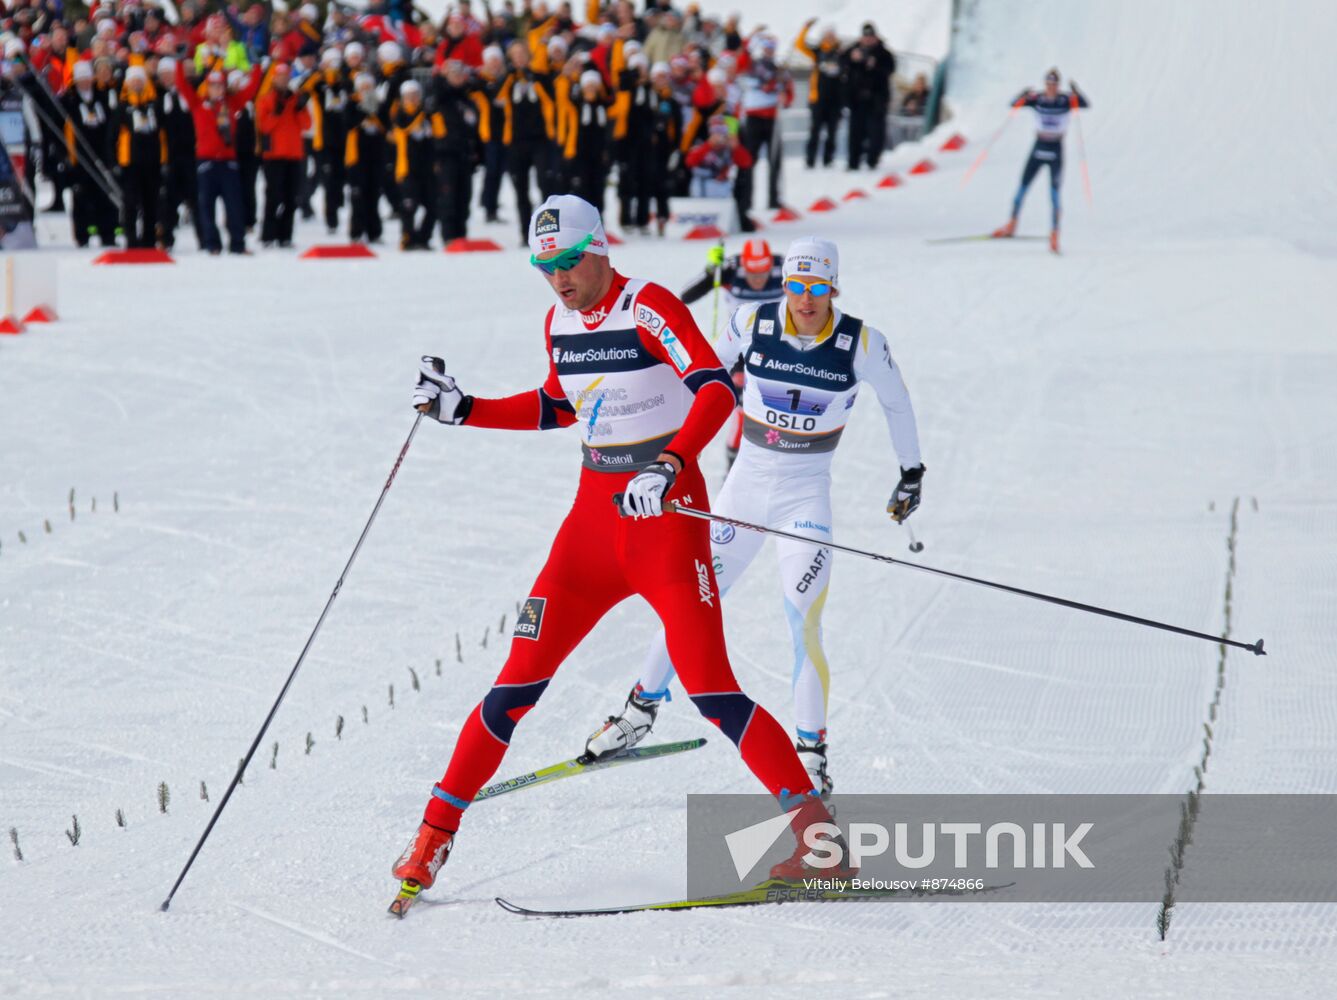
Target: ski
{"points": [[771, 891], [580, 765], [408, 895], [980, 237], [409, 891]]}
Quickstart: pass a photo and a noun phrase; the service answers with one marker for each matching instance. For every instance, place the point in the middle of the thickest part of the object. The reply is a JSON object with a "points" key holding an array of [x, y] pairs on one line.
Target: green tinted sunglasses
{"points": [[565, 260], [818, 288]]}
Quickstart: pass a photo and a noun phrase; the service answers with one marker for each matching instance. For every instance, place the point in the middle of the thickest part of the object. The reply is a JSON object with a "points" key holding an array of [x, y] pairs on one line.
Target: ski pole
{"points": [[677, 508], [97, 169], [1012, 113], [1081, 148], [915, 544], [715, 306], [241, 769]]}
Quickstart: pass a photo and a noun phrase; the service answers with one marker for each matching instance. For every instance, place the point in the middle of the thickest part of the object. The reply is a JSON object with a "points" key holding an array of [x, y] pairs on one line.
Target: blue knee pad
{"points": [[732, 712], [504, 705]]}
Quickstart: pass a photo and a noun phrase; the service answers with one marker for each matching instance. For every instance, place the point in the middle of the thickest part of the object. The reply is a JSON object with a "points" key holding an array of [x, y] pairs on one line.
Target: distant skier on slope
{"points": [[1052, 112], [805, 361], [628, 364], [751, 276]]}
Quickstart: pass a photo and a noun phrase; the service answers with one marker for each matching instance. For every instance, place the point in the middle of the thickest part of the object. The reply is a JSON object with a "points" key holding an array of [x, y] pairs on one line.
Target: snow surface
{"points": [[1087, 423]]}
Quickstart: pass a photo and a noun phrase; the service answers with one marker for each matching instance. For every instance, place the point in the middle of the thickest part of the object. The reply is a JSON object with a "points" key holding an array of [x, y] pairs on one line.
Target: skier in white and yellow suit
{"points": [[804, 361]]}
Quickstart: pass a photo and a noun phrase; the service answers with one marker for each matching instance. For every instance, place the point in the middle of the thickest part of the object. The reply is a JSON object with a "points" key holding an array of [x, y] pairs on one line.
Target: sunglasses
{"points": [[818, 288], [565, 260]]}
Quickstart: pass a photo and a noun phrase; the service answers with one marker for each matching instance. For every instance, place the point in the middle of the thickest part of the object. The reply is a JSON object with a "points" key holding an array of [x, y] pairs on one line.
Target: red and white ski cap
{"points": [[563, 221], [756, 256], [811, 257]]}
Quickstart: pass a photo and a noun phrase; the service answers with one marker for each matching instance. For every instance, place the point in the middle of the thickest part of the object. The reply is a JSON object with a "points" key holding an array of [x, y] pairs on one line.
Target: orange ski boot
{"points": [[795, 868], [1053, 240], [424, 857], [1005, 230]]}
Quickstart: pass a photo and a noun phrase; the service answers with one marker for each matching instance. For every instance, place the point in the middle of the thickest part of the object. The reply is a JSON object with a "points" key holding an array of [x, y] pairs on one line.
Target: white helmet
{"points": [[389, 52]]}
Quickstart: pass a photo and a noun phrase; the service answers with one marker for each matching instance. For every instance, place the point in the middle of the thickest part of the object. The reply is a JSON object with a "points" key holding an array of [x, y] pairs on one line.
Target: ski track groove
{"points": [[318, 936]]}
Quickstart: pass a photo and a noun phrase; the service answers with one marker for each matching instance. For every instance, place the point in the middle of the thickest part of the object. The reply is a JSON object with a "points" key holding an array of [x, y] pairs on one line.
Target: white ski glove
{"points": [[644, 496], [437, 395]]}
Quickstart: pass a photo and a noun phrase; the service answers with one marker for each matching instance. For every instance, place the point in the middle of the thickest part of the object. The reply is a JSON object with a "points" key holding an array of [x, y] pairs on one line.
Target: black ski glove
{"points": [[905, 501]]}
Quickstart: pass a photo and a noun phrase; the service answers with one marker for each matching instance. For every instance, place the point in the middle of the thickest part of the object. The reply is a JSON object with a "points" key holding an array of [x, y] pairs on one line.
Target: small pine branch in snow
{"points": [[485, 632], [438, 668], [241, 770], [364, 715], [14, 837], [501, 629], [23, 538], [74, 832], [392, 696], [459, 650], [46, 524], [164, 797], [93, 509], [274, 757], [116, 502], [120, 818], [413, 674], [1163, 917], [310, 742], [339, 728], [204, 791]]}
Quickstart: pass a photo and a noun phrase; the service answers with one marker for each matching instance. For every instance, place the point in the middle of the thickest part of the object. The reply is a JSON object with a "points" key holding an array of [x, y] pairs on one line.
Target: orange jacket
{"points": [[281, 128]]}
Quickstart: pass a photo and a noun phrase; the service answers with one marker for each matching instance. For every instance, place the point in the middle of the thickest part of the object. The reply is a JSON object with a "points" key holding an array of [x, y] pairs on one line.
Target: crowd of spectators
{"points": [[145, 117]]}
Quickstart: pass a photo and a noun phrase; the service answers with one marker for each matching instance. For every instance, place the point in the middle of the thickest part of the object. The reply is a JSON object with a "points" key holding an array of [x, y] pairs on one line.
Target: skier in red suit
{"points": [[628, 364]]}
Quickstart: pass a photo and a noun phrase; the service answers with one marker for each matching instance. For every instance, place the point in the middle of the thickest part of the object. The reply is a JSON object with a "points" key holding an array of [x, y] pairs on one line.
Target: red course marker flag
{"points": [[465, 245], [336, 251]]}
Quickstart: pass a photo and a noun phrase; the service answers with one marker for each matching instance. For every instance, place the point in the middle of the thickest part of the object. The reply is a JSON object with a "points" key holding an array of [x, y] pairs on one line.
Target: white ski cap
{"points": [[811, 257], [83, 70], [563, 221]]}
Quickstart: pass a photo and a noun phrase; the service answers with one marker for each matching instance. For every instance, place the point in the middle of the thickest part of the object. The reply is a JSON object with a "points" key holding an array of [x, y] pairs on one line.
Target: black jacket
{"points": [[868, 74]]}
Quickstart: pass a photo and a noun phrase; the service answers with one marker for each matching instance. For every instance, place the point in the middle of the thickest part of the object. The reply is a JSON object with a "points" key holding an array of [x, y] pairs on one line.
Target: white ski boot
{"points": [[812, 753], [622, 732]]}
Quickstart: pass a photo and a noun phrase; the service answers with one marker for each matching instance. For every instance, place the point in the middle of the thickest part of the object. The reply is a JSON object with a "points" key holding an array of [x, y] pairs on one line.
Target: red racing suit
{"points": [[640, 379]]}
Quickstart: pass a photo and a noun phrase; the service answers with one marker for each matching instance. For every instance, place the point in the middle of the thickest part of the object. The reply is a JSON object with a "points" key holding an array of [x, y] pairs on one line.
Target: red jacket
{"points": [[698, 155], [213, 118], [467, 49], [281, 129]]}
